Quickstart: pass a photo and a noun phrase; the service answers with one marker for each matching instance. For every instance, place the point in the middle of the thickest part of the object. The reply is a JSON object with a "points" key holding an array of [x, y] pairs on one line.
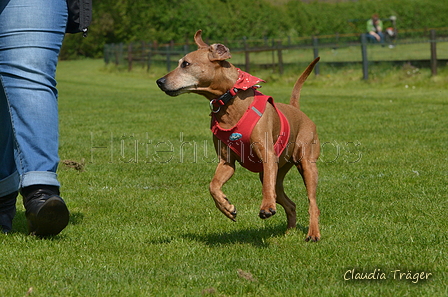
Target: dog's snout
{"points": [[161, 82]]}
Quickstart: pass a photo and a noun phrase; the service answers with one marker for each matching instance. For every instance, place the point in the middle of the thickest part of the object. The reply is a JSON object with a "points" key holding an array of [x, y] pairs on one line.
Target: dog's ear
{"points": [[219, 52], [199, 41]]}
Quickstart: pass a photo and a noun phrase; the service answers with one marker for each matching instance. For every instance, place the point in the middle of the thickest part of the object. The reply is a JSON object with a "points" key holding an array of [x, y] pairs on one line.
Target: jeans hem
{"points": [[39, 178], [9, 184]]}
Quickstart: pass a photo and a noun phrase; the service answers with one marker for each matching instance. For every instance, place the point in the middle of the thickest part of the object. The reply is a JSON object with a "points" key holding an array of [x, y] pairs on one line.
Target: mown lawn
{"points": [[143, 223]]}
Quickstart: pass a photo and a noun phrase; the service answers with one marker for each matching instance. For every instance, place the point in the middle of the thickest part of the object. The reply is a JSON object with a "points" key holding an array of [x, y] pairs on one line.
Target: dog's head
{"points": [[204, 71]]}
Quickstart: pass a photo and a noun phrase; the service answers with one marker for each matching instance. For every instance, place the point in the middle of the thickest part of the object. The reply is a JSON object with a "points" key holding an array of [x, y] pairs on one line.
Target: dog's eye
{"points": [[185, 64]]}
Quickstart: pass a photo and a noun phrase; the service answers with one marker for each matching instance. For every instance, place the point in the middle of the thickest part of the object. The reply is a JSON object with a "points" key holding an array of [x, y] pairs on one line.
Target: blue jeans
{"points": [[31, 35], [372, 39]]}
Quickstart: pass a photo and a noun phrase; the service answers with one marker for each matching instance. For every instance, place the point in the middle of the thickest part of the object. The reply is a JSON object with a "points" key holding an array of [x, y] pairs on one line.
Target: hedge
{"points": [[163, 21]]}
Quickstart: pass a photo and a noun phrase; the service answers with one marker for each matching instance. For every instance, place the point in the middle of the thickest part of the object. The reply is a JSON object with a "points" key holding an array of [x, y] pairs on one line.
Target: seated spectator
{"points": [[375, 30]]}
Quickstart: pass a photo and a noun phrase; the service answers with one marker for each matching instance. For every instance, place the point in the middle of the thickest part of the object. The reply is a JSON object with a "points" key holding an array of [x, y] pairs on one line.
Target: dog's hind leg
{"points": [[282, 198], [308, 171], [306, 157]]}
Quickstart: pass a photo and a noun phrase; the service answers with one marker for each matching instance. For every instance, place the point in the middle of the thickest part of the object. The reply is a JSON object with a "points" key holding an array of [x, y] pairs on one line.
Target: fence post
{"points": [[337, 40], [106, 53], [316, 54], [169, 47], [280, 56], [246, 54], [150, 49], [130, 57], [365, 61], [433, 42], [118, 53], [168, 58]]}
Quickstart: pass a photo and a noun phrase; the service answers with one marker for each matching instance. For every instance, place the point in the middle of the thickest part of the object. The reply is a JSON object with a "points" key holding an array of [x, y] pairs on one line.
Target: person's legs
{"points": [[381, 34], [370, 38], [9, 178], [31, 34]]}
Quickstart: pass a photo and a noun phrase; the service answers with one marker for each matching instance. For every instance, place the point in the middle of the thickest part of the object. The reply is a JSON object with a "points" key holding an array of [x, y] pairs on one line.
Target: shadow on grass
{"points": [[255, 236], [20, 225]]}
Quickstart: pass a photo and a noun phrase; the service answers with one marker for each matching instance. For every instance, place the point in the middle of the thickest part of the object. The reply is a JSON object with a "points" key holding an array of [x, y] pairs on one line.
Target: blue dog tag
{"points": [[235, 136]]}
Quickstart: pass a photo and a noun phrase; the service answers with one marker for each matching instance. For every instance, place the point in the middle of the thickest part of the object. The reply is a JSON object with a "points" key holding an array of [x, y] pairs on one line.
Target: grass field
{"points": [[135, 167]]}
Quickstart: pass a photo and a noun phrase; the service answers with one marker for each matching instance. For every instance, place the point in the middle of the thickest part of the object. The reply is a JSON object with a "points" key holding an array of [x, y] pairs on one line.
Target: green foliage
{"points": [[163, 21], [349, 17]]}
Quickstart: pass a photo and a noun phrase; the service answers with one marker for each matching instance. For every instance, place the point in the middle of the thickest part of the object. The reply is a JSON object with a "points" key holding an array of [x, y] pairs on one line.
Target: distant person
{"points": [[375, 30]]}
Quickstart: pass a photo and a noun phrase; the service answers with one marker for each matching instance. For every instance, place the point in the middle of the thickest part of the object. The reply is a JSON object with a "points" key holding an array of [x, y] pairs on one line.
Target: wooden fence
{"points": [[148, 54]]}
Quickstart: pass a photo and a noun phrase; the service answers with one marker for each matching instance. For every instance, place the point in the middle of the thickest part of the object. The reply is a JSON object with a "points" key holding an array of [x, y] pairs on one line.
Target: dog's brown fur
{"points": [[206, 72]]}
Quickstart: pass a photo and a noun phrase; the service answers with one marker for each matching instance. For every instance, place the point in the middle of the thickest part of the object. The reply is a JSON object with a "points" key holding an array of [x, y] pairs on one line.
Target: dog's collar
{"points": [[244, 82], [222, 100]]}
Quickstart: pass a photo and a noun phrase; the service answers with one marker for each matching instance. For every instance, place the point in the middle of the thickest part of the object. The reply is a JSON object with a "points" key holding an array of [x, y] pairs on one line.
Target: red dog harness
{"points": [[238, 137]]}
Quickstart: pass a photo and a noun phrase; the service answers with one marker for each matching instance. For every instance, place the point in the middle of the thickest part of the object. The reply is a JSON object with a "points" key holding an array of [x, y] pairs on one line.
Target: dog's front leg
{"points": [[224, 171]]}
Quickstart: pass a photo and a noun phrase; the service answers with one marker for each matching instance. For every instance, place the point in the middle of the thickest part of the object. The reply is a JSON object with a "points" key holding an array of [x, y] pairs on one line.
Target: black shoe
{"points": [[7, 211], [46, 212]]}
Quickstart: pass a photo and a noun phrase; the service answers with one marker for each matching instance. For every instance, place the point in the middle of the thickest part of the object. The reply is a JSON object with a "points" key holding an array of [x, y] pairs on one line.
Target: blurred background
{"points": [[272, 34]]}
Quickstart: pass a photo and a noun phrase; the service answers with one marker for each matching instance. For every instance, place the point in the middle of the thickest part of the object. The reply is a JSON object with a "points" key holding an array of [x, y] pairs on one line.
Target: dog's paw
{"points": [[313, 233], [232, 214], [267, 214], [312, 238], [229, 210]]}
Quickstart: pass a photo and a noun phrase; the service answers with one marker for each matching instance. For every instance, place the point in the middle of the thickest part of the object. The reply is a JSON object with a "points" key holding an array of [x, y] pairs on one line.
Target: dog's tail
{"points": [[295, 96]]}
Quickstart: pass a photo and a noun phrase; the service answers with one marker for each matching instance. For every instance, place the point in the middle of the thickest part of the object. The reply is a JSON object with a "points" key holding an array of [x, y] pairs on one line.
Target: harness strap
{"points": [[237, 138]]}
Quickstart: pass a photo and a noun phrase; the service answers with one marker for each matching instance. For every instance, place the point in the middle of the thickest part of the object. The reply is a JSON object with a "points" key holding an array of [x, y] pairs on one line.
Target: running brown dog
{"points": [[280, 135]]}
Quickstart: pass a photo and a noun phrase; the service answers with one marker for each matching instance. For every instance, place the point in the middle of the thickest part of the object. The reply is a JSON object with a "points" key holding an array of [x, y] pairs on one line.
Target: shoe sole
{"points": [[52, 218]]}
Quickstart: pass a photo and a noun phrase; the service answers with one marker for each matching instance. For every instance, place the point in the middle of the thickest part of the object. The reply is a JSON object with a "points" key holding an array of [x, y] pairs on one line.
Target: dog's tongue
{"points": [[246, 81]]}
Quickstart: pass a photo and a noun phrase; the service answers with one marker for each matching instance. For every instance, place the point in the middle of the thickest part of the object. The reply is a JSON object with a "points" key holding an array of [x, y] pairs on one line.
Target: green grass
{"points": [[143, 223]]}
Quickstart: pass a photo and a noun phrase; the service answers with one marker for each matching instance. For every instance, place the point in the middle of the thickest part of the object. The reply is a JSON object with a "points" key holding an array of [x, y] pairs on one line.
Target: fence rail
{"points": [[417, 46]]}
